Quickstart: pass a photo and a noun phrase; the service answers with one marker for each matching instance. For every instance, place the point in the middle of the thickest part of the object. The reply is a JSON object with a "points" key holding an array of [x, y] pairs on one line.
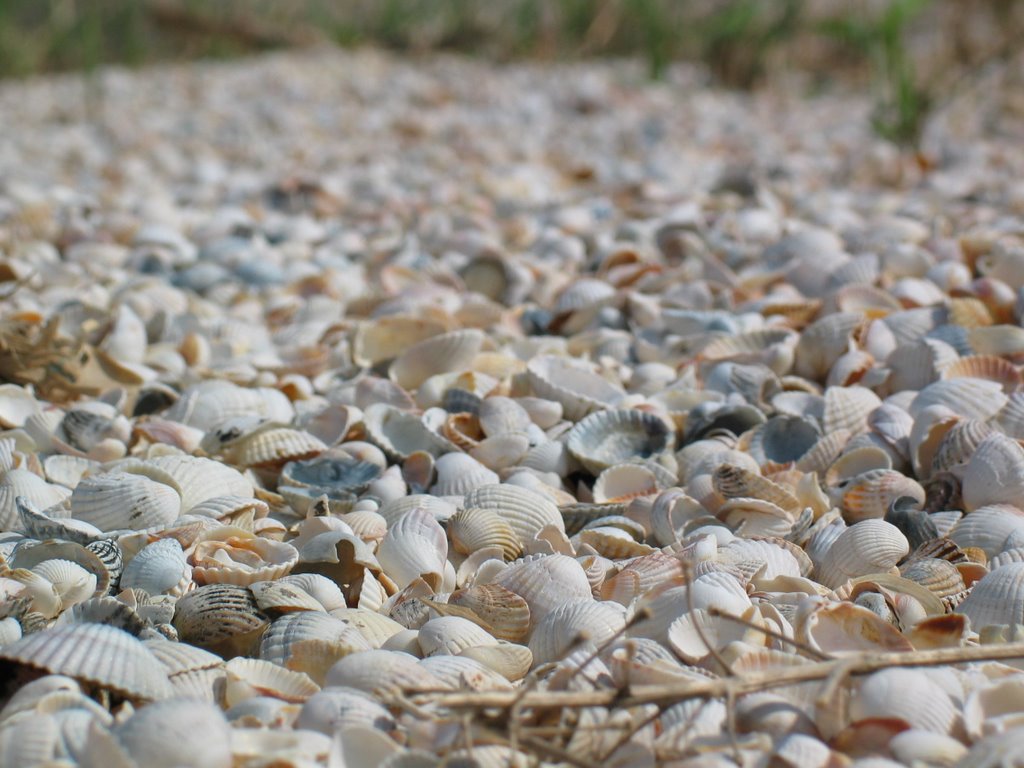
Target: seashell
{"points": [[22, 483], [475, 528], [587, 623], [72, 582], [230, 509], [336, 709], [400, 434], [909, 695], [988, 367], [545, 582], [998, 598], [823, 342], [848, 408], [458, 474], [871, 494], [445, 352], [248, 678], [415, 546], [102, 656], [604, 439], [500, 611], [510, 661], [221, 618], [31, 555], [993, 709], [995, 473], [159, 568], [377, 671], [501, 451], [575, 386], [327, 471], [385, 338], [68, 470], [463, 430], [17, 405], [119, 500], [624, 482], [959, 444], [503, 415], [177, 732], [845, 628], [451, 635], [465, 673], [214, 401], [869, 546], [940, 577], [855, 462], [917, 525], [196, 479], [526, 511], [229, 555], [971, 398]]}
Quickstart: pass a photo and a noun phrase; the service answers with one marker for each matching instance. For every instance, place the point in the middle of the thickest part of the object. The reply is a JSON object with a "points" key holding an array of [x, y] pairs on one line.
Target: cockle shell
{"points": [[380, 671], [400, 434], [451, 635], [415, 546], [233, 556], [222, 618], [572, 384], [475, 528], [119, 500], [867, 547], [994, 474], [545, 582], [613, 437], [526, 511], [171, 733], [459, 473], [905, 694], [96, 654], [439, 354], [23, 483], [998, 598], [585, 623], [160, 568]]}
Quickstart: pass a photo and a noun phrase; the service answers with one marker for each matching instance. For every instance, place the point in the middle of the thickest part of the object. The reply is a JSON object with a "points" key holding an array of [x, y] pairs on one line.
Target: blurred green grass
{"points": [[741, 43]]}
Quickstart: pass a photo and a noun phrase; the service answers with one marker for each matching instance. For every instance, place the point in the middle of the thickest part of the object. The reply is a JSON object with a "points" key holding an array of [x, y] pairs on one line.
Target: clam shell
{"points": [[869, 546], [994, 474], [969, 397], [572, 384], [526, 511], [607, 438], [586, 622], [96, 654], [545, 582], [119, 500], [222, 618], [998, 598], [905, 694], [446, 352], [399, 433], [211, 402], [160, 568], [458, 474], [475, 528], [624, 482]]}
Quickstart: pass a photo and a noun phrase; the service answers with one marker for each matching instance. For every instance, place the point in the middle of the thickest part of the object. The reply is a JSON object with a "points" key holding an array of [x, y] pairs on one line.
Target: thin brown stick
{"points": [[674, 692]]}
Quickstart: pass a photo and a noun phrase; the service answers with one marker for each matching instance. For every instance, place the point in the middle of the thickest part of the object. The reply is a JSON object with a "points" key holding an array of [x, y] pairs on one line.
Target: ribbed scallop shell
{"points": [[572, 384], [377, 670], [222, 618], [584, 622], [310, 642], [869, 495], [400, 433], [526, 511], [414, 546], [995, 473], [848, 408], [255, 677], [987, 367], [736, 482], [998, 598], [474, 528], [22, 482], [870, 546], [607, 438], [119, 500], [968, 397], [336, 709], [640, 575], [211, 402], [545, 582], [198, 479], [959, 444], [452, 351], [273, 446], [173, 732], [159, 568], [451, 635], [386, 337], [940, 576], [463, 672], [624, 482], [502, 612], [99, 655], [459, 473], [910, 695], [232, 556]]}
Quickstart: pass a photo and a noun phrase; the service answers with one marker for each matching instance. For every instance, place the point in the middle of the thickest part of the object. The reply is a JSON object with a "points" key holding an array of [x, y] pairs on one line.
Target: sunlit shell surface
{"points": [[364, 412]]}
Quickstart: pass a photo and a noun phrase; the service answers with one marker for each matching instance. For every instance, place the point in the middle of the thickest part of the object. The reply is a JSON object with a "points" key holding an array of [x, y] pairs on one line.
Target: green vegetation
{"points": [[742, 43]]}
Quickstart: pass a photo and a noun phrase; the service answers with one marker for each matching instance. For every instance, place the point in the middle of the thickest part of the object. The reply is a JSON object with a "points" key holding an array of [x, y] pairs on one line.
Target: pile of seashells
{"points": [[364, 413]]}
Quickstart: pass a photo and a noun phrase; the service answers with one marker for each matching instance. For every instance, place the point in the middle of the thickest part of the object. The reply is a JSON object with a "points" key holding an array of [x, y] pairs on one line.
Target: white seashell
{"points": [[159, 568], [526, 511], [990, 528], [613, 437], [997, 598], [463, 672], [399, 433], [458, 474], [248, 678], [23, 483], [337, 709], [178, 732], [994, 474], [452, 635], [545, 582], [196, 479], [72, 582], [96, 654], [905, 694], [501, 451], [571, 383], [967, 397], [233, 556], [584, 623], [870, 546], [415, 546], [848, 408], [446, 352], [378, 670]]}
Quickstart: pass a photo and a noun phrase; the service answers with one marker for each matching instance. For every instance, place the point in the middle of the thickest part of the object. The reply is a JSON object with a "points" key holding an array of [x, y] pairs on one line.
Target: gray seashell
{"points": [[614, 437]]}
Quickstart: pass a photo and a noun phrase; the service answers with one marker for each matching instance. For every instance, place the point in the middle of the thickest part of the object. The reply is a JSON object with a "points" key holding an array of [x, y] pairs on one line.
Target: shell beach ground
{"points": [[364, 410]]}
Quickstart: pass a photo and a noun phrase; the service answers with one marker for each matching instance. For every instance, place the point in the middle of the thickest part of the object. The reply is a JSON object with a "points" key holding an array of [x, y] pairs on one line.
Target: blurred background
{"points": [[910, 53]]}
